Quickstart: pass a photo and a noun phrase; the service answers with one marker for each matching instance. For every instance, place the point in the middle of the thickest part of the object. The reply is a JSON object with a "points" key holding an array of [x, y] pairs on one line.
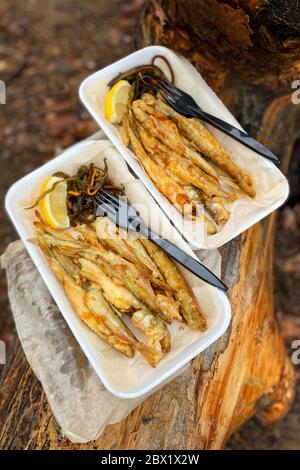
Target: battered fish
{"points": [[206, 143]]}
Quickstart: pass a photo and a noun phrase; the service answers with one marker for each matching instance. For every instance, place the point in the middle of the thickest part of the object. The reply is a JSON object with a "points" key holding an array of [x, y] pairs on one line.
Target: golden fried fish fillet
{"points": [[117, 240], [164, 129], [62, 268], [103, 312], [154, 329], [189, 307], [125, 271], [164, 184], [181, 166], [123, 300], [142, 255], [206, 143], [214, 205]]}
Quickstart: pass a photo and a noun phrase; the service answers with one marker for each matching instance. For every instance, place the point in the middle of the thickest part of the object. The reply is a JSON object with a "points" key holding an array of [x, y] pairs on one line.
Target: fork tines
{"points": [[169, 91], [104, 196], [170, 87]]}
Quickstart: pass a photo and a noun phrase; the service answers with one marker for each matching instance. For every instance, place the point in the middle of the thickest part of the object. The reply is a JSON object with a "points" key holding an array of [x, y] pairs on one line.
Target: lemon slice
{"points": [[116, 101], [54, 204]]}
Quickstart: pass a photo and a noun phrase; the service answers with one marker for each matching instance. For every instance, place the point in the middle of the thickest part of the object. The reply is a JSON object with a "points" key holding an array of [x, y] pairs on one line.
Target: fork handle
{"points": [[235, 133], [193, 265]]}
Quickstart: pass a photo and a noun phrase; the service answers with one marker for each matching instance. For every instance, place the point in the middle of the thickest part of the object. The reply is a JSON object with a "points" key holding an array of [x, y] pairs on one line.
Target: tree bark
{"points": [[248, 51]]}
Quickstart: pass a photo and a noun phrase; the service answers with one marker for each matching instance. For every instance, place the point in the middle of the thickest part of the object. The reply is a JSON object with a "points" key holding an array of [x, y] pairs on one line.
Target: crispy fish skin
{"points": [[121, 298], [124, 136], [105, 314], [117, 295], [94, 281], [124, 132], [98, 305], [163, 128], [105, 234], [95, 311], [121, 268], [88, 235], [104, 279], [214, 205], [164, 183], [134, 282], [67, 246], [189, 307], [157, 334], [193, 212], [195, 130], [42, 228], [210, 228], [117, 240], [127, 274], [164, 133], [76, 294], [142, 255], [169, 306], [92, 307], [131, 249], [180, 166], [113, 240], [124, 270]]}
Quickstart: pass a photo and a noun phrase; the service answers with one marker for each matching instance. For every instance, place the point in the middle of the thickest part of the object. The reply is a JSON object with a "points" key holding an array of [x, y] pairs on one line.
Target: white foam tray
{"points": [[272, 186], [123, 377]]}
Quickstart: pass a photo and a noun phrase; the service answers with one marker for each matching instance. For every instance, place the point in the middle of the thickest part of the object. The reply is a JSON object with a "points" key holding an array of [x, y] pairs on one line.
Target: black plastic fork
{"points": [[125, 216], [184, 104]]}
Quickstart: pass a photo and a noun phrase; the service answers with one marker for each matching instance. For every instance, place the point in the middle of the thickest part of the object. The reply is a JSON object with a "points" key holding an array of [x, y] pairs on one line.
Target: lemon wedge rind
{"points": [[53, 206], [116, 101]]}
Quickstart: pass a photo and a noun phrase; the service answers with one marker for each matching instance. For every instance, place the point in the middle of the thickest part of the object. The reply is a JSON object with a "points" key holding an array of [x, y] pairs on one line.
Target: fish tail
{"points": [[151, 355]]}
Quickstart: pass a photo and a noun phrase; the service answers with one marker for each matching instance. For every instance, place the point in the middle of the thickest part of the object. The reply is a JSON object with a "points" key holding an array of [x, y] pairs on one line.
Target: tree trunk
{"points": [[248, 51]]}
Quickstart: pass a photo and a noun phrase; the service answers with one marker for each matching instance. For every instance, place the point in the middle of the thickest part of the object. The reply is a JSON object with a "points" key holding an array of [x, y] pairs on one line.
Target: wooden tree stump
{"points": [[248, 51]]}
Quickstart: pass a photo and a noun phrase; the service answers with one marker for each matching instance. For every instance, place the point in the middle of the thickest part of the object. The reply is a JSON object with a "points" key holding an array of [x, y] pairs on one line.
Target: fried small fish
{"points": [[153, 327], [164, 184], [205, 141], [163, 128], [189, 307], [214, 205], [123, 300], [67, 273], [181, 166], [103, 312]]}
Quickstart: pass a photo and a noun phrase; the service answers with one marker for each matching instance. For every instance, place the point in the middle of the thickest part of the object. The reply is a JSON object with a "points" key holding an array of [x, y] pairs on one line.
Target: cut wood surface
{"points": [[247, 372]]}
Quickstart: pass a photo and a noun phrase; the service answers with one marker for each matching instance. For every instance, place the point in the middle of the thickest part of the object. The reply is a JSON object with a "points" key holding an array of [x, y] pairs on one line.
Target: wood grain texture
{"points": [[247, 372]]}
